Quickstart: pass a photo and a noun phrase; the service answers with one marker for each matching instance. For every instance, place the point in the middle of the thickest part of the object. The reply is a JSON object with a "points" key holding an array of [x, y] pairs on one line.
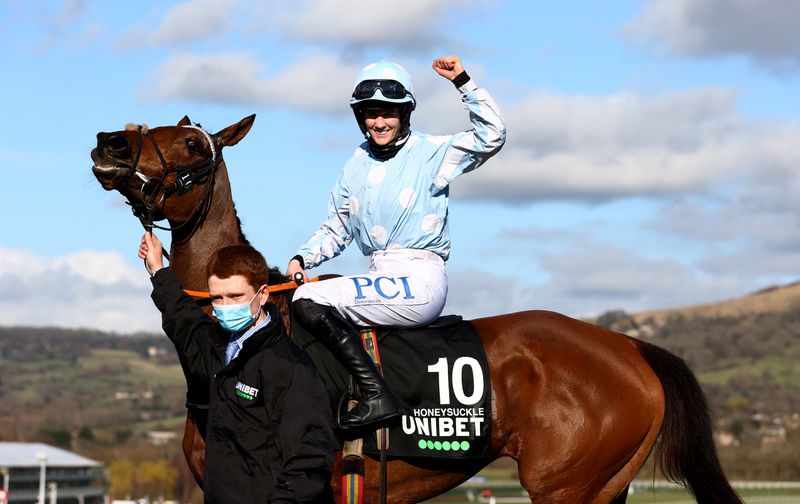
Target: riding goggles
{"points": [[390, 89]]}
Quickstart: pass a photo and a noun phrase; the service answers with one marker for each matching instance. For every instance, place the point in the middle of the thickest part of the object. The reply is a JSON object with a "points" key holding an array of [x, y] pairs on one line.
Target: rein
{"points": [[271, 288]]}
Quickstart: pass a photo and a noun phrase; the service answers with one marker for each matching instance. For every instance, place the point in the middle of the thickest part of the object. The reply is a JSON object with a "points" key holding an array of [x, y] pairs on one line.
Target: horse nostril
{"points": [[117, 145]]}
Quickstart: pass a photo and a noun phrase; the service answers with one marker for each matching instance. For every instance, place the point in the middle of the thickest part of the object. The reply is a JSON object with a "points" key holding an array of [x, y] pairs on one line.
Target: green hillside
{"points": [[747, 363], [63, 382]]}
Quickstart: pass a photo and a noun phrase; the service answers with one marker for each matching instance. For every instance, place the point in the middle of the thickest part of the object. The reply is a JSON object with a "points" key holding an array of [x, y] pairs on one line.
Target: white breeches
{"points": [[404, 287]]}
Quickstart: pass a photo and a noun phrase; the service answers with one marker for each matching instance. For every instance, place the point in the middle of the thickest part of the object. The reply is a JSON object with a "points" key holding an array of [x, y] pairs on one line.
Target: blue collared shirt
{"points": [[235, 344]]}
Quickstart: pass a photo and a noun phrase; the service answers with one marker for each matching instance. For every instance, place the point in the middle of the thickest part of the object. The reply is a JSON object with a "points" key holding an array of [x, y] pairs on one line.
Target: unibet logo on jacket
{"points": [[246, 391]]}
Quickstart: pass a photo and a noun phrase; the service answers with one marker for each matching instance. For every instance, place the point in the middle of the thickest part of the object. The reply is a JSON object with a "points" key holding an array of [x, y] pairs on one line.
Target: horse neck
{"points": [[216, 227], [193, 244]]}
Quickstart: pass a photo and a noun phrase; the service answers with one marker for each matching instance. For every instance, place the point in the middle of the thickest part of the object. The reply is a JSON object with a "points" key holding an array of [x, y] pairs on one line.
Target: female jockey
{"points": [[391, 198]]}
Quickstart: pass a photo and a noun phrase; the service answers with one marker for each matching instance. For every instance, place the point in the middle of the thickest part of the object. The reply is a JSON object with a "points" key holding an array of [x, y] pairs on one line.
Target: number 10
{"points": [[458, 384]]}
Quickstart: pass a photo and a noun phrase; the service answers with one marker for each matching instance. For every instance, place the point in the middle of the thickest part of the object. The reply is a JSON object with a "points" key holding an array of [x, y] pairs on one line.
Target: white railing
{"points": [[480, 491]]}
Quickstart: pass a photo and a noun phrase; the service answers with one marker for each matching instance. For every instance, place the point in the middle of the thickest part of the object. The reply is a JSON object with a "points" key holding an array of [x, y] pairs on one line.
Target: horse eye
{"points": [[192, 146]]}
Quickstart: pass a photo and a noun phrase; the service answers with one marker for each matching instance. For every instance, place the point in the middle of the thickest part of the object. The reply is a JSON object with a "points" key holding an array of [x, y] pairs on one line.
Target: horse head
{"points": [[164, 172]]}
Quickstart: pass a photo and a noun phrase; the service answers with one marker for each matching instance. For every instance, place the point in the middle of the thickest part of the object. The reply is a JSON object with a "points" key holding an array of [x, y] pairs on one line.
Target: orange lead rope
{"points": [[271, 288]]}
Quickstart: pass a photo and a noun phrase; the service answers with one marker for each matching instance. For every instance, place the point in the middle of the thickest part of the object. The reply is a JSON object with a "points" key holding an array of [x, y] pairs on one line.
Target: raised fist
{"points": [[448, 66]]}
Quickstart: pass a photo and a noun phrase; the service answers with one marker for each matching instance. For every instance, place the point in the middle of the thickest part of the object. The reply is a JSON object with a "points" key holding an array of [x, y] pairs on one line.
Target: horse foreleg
{"points": [[194, 445], [622, 498], [615, 490]]}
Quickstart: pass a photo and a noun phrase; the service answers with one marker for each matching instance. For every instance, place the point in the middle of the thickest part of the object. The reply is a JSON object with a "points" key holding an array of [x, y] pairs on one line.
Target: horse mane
{"points": [[283, 299], [242, 238], [275, 276], [134, 127]]}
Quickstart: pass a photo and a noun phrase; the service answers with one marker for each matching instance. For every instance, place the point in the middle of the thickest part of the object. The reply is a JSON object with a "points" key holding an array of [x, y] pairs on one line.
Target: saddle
{"points": [[441, 375]]}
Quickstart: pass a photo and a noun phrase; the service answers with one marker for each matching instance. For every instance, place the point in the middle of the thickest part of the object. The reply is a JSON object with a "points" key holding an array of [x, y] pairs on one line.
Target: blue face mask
{"points": [[234, 318]]}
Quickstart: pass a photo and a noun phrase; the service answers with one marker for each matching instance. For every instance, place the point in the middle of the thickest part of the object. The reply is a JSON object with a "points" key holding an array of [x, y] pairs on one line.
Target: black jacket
{"points": [[269, 437]]}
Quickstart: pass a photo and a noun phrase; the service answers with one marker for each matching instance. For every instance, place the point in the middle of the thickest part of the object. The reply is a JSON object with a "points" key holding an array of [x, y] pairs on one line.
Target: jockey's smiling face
{"points": [[382, 124]]}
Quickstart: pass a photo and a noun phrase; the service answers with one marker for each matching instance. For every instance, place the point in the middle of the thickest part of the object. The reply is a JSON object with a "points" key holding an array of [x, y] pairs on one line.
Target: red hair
{"points": [[241, 260]]}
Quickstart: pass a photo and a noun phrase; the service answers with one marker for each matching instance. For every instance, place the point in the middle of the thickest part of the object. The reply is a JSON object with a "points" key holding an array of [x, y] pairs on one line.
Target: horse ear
{"points": [[185, 121], [235, 132]]}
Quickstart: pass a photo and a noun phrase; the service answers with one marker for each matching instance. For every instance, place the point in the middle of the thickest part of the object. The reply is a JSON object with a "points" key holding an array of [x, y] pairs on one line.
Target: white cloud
{"points": [[628, 145], [193, 20], [412, 24], [103, 268], [474, 293], [70, 25], [219, 78], [597, 277], [764, 31], [184, 23], [588, 281], [314, 84], [87, 289], [415, 25]]}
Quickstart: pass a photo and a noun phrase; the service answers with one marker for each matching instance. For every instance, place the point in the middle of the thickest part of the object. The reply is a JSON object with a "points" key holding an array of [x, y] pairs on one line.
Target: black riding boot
{"points": [[377, 404]]}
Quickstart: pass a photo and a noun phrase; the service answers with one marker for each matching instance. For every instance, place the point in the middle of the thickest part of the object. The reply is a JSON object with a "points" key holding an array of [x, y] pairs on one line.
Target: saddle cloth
{"points": [[440, 373]]}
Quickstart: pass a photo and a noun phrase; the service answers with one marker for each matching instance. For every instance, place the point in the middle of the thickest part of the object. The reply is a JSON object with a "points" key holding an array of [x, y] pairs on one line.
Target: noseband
{"points": [[185, 179]]}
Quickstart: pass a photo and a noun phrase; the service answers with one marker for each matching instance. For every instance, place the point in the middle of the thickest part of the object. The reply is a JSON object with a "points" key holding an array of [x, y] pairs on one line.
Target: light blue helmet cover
{"points": [[385, 70]]}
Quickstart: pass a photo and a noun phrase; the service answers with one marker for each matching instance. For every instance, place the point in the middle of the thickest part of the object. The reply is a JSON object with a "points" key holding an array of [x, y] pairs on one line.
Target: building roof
{"points": [[27, 455]]}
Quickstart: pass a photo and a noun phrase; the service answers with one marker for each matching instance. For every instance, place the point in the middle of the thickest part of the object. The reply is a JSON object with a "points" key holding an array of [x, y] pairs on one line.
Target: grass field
{"points": [[781, 368]]}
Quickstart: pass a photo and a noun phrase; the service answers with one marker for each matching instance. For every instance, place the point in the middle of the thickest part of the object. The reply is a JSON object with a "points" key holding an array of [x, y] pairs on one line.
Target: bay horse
{"points": [[578, 407]]}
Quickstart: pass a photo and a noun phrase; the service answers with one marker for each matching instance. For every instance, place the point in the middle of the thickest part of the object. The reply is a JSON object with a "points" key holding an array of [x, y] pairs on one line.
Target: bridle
{"points": [[185, 179]]}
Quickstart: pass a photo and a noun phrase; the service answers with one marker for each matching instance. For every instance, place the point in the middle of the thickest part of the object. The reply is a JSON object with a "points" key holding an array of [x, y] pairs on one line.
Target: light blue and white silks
{"points": [[400, 204]]}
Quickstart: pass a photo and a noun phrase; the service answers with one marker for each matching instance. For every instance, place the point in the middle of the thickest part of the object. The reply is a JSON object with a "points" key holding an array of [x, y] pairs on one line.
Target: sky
{"points": [[651, 160]]}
